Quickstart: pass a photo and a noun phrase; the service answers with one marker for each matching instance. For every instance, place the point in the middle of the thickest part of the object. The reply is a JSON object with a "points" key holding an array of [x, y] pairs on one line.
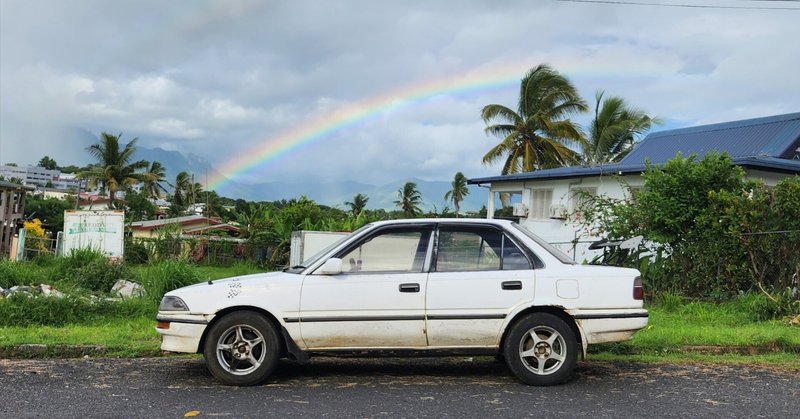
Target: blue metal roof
{"points": [[760, 137], [761, 143]]}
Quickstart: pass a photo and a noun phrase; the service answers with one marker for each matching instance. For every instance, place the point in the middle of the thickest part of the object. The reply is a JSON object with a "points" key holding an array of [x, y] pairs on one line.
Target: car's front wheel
{"points": [[242, 348], [541, 349]]}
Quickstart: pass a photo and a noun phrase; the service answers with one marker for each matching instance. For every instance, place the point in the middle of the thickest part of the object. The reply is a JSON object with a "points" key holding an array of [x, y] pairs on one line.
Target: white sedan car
{"points": [[416, 287]]}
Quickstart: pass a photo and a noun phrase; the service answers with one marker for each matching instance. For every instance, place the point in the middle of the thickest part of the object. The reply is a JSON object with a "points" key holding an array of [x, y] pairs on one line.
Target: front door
{"points": [[379, 298]]}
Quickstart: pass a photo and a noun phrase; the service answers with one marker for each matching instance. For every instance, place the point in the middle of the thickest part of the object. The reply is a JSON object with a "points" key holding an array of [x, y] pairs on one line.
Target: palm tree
{"points": [[614, 130], [539, 134], [409, 200], [182, 182], [193, 192], [114, 170], [153, 178], [459, 191], [358, 205]]}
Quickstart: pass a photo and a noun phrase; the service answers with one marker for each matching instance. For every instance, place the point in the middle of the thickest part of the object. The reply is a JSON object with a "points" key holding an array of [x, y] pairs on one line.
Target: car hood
{"points": [[257, 289]]}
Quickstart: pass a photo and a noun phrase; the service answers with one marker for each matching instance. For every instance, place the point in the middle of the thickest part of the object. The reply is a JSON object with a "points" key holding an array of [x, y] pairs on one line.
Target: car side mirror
{"points": [[332, 266]]}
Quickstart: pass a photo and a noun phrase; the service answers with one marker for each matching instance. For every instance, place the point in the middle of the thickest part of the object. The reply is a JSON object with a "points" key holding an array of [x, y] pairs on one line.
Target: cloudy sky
{"points": [[368, 90]]}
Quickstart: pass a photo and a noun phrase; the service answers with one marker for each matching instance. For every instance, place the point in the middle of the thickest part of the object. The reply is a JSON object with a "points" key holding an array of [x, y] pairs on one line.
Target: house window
{"points": [[540, 203], [580, 196]]}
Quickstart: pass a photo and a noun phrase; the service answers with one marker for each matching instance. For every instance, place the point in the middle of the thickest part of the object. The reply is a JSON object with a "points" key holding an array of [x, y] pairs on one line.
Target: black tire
{"points": [[242, 349], [541, 350]]}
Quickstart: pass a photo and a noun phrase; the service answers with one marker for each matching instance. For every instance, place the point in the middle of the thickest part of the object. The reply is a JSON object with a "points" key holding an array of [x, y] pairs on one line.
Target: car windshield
{"points": [[315, 258], [561, 256]]}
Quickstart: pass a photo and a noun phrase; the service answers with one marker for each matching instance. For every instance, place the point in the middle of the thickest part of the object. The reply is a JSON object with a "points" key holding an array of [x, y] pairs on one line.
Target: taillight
{"points": [[638, 290]]}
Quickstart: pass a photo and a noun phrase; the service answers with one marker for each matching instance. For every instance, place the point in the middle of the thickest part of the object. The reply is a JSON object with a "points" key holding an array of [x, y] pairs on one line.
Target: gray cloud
{"points": [[218, 78]]}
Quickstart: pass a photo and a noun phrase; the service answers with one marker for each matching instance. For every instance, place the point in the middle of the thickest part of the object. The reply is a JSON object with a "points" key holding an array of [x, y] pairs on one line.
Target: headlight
{"points": [[171, 303]]}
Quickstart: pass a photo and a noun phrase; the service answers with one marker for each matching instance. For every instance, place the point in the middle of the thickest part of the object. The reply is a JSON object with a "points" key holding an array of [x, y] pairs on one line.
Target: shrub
{"points": [[90, 269], [710, 233], [760, 306], [136, 253], [166, 276]]}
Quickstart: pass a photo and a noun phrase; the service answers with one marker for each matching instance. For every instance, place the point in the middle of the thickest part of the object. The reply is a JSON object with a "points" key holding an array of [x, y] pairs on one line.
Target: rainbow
{"points": [[273, 148], [490, 78]]}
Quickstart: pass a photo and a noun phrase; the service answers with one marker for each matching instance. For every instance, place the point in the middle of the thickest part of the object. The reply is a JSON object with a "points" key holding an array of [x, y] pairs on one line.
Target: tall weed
{"points": [[91, 270], [27, 310], [18, 273], [166, 276]]}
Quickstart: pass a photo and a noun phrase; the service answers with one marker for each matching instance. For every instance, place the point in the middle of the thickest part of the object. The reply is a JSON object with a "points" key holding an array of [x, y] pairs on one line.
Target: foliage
{"points": [[538, 134], [114, 170], [47, 163], [165, 276], [458, 192], [152, 180], [91, 270], [49, 210], [35, 232], [709, 231], [136, 252], [27, 310], [17, 273], [614, 130], [358, 205], [409, 199], [138, 207]]}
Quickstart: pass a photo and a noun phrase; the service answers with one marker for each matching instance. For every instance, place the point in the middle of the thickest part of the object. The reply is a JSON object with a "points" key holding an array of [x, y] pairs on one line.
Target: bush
{"points": [[166, 276], [91, 270], [136, 253], [710, 233], [763, 307]]}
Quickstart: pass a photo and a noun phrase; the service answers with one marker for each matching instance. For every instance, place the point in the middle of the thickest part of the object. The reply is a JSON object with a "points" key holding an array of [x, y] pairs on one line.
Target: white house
{"points": [[767, 148]]}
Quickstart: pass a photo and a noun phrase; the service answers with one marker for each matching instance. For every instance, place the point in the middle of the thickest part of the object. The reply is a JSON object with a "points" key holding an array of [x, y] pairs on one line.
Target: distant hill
{"points": [[333, 194]]}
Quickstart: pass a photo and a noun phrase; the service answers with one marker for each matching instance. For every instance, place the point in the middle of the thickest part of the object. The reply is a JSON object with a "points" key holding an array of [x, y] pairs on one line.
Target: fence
{"points": [[203, 250]]}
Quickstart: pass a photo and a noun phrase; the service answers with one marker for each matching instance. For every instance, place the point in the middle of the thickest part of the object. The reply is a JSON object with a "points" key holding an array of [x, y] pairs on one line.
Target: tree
{"points": [[139, 208], [182, 182], [194, 193], [153, 177], [614, 130], [459, 191], [409, 200], [47, 163], [358, 204], [538, 135], [114, 169]]}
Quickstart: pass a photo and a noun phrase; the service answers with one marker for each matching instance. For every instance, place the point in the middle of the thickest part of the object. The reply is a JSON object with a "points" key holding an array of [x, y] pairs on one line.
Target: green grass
{"points": [[679, 330], [120, 337]]}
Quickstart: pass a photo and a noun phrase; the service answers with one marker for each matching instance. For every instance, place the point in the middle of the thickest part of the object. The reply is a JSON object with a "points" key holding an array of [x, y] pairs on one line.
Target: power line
{"points": [[694, 6]]}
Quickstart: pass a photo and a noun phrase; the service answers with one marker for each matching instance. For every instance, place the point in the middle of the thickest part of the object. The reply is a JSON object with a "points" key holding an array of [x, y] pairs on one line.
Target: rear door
{"points": [[479, 275]]}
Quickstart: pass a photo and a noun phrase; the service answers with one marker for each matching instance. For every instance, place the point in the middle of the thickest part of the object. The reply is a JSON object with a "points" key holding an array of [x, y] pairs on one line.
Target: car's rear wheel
{"points": [[541, 349], [242, 348]]}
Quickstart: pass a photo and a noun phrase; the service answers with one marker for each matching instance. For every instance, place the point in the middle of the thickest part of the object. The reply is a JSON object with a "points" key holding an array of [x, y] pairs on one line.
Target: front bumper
{"points": [[181, 333]]}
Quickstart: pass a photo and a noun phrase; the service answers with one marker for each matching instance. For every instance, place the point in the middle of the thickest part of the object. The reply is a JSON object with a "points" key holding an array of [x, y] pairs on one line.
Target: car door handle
{"points": [[511, 285], [409, 287]]}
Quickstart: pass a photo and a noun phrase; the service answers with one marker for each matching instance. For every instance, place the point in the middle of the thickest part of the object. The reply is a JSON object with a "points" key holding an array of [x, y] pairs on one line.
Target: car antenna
{"points": [[209, 280]]}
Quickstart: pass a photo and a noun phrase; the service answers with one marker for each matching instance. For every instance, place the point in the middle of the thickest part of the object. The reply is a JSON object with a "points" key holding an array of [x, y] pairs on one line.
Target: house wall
{"points": [[555, 219]]}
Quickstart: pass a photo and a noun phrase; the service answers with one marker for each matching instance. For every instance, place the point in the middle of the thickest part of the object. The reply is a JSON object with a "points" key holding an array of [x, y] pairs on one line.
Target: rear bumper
{"points": [[610, 326]]}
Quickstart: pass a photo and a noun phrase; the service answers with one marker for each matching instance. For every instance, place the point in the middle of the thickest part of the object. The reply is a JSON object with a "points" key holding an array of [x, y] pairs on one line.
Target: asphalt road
{"points": [[394, 388]]}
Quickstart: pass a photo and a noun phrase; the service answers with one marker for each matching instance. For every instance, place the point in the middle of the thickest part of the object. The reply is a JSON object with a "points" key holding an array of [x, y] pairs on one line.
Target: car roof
{"points": [[487, 221]]}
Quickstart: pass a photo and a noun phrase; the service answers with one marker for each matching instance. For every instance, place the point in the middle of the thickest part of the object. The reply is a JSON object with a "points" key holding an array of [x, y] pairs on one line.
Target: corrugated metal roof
{"points": [[760, 137], [754, 143]]}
